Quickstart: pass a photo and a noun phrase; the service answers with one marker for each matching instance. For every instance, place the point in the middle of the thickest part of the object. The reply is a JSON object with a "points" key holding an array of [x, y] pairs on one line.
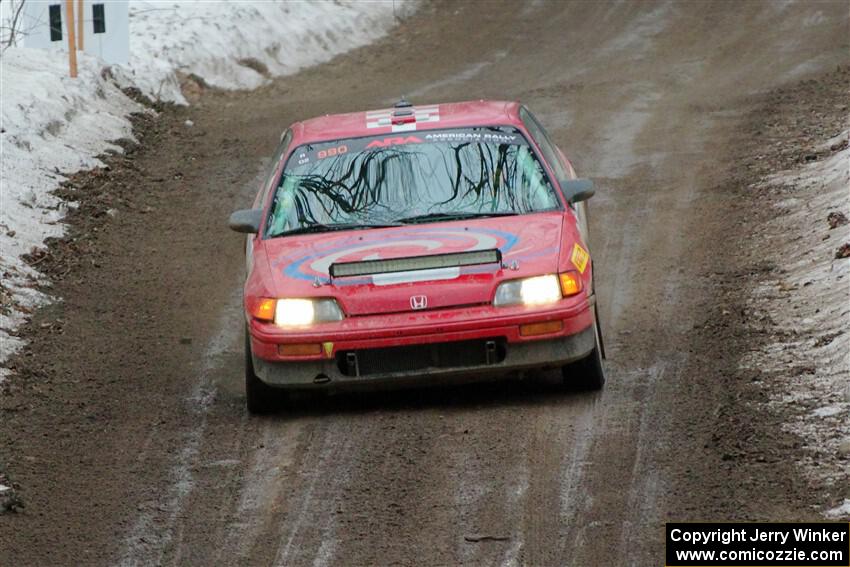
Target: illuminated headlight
{"points": [[538, 290], [300, 312]]}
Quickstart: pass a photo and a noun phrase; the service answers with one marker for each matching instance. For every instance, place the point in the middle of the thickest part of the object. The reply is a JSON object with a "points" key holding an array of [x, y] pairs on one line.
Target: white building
{"points": [[105, 24]]}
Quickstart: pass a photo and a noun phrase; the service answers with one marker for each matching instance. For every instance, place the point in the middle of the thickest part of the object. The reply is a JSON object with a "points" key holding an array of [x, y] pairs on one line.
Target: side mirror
{"points": [[246, 220], [576, 190]]}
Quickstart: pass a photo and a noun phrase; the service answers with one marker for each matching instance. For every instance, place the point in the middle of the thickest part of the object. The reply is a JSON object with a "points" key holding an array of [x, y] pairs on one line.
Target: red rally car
{"points": [[417, 244]]}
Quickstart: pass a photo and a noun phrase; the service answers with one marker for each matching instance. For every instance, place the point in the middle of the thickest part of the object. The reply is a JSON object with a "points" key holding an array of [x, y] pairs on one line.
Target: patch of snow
{"points": [[815, 19], [842, 511], [834, 141], [805, 309], [4, 488], [829, 411], [52, 125]]}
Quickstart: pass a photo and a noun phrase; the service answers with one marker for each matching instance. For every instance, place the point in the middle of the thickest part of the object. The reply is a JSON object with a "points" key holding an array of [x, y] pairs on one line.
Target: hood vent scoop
{"points": [[414, 263]]}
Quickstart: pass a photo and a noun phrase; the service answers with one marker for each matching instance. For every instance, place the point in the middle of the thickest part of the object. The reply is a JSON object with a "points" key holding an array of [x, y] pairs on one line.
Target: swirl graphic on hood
{"points": [[419, 241]]}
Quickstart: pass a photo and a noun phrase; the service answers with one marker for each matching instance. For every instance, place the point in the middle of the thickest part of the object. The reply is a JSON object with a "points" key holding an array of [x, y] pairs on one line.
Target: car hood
{"points": [[300, 265]]}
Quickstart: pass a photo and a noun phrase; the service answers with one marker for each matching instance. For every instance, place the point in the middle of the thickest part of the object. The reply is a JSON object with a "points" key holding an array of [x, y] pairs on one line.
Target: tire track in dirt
{"points": [[153, 531]]}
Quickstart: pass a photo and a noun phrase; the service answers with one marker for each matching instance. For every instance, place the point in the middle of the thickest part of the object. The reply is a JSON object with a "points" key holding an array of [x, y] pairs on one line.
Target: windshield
{"points": [[409, 177]]}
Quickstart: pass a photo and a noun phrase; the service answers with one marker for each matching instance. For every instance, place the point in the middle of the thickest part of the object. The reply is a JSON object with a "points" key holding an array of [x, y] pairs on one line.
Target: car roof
{"points": [[417, 116]]}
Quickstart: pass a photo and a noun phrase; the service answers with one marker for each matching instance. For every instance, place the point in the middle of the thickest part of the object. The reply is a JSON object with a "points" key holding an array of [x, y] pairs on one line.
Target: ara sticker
{"points": [[393, 142], [329, 349], [579, 258]]}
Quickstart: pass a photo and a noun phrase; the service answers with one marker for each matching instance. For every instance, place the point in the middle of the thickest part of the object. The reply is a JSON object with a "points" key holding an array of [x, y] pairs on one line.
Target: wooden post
{"points": [[81, 26], [72, 44]]}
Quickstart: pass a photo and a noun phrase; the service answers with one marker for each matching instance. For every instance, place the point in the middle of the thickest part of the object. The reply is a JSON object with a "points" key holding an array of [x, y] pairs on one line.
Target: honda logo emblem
{"points": [[418, 301]]}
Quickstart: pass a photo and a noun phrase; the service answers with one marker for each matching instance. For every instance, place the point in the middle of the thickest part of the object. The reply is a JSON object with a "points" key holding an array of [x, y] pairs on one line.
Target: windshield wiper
{"points": [[437, 217], [319, 227]]}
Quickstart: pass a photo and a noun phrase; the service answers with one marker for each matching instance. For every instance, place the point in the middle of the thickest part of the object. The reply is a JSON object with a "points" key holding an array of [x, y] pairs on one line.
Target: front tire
{"points": [[260, 398], [587, 373]]}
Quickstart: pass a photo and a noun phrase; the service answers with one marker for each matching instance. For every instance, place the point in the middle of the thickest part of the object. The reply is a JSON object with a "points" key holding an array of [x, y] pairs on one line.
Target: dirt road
{"points": [[126, 429]]}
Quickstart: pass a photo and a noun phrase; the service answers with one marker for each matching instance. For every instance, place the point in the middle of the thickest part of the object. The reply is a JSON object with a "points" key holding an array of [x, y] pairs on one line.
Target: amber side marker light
{"points": [[264, 309], [532, 329], [299, 350], [570, 283]]}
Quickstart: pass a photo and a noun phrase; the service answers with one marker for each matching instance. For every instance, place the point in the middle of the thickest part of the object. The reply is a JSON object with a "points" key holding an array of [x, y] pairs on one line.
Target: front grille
{"points": [[457, 354]]}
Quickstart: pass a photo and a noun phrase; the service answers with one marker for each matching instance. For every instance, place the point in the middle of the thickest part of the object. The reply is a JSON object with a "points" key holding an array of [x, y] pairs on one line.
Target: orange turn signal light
{"points": [[532, 329], [570, 283], [299, 349], [264, 309]]}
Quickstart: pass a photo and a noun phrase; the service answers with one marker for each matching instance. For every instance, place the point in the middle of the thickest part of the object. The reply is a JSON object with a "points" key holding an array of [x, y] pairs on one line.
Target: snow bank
{"points": [[808, 312], [52, 124], [242, 44]]}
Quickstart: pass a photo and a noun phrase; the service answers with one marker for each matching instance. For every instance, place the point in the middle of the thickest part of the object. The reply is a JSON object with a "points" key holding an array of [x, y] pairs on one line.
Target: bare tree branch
{"points": [[16, 8]]}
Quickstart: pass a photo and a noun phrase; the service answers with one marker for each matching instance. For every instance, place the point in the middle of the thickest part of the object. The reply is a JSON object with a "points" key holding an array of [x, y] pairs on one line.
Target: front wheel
{"points": [[259, 396], [587, 373]]}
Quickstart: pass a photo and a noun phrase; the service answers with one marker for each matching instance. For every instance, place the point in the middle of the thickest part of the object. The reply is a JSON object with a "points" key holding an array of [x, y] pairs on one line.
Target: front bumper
{"points": [[499, 332]]}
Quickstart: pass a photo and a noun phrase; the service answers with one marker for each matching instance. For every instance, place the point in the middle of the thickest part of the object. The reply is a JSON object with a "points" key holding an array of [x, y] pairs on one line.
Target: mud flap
{"points": [[599, 332]]}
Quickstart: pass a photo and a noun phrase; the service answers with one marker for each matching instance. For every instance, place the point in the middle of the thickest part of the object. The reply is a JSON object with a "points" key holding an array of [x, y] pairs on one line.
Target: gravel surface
{"points": [[123, 430]]}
